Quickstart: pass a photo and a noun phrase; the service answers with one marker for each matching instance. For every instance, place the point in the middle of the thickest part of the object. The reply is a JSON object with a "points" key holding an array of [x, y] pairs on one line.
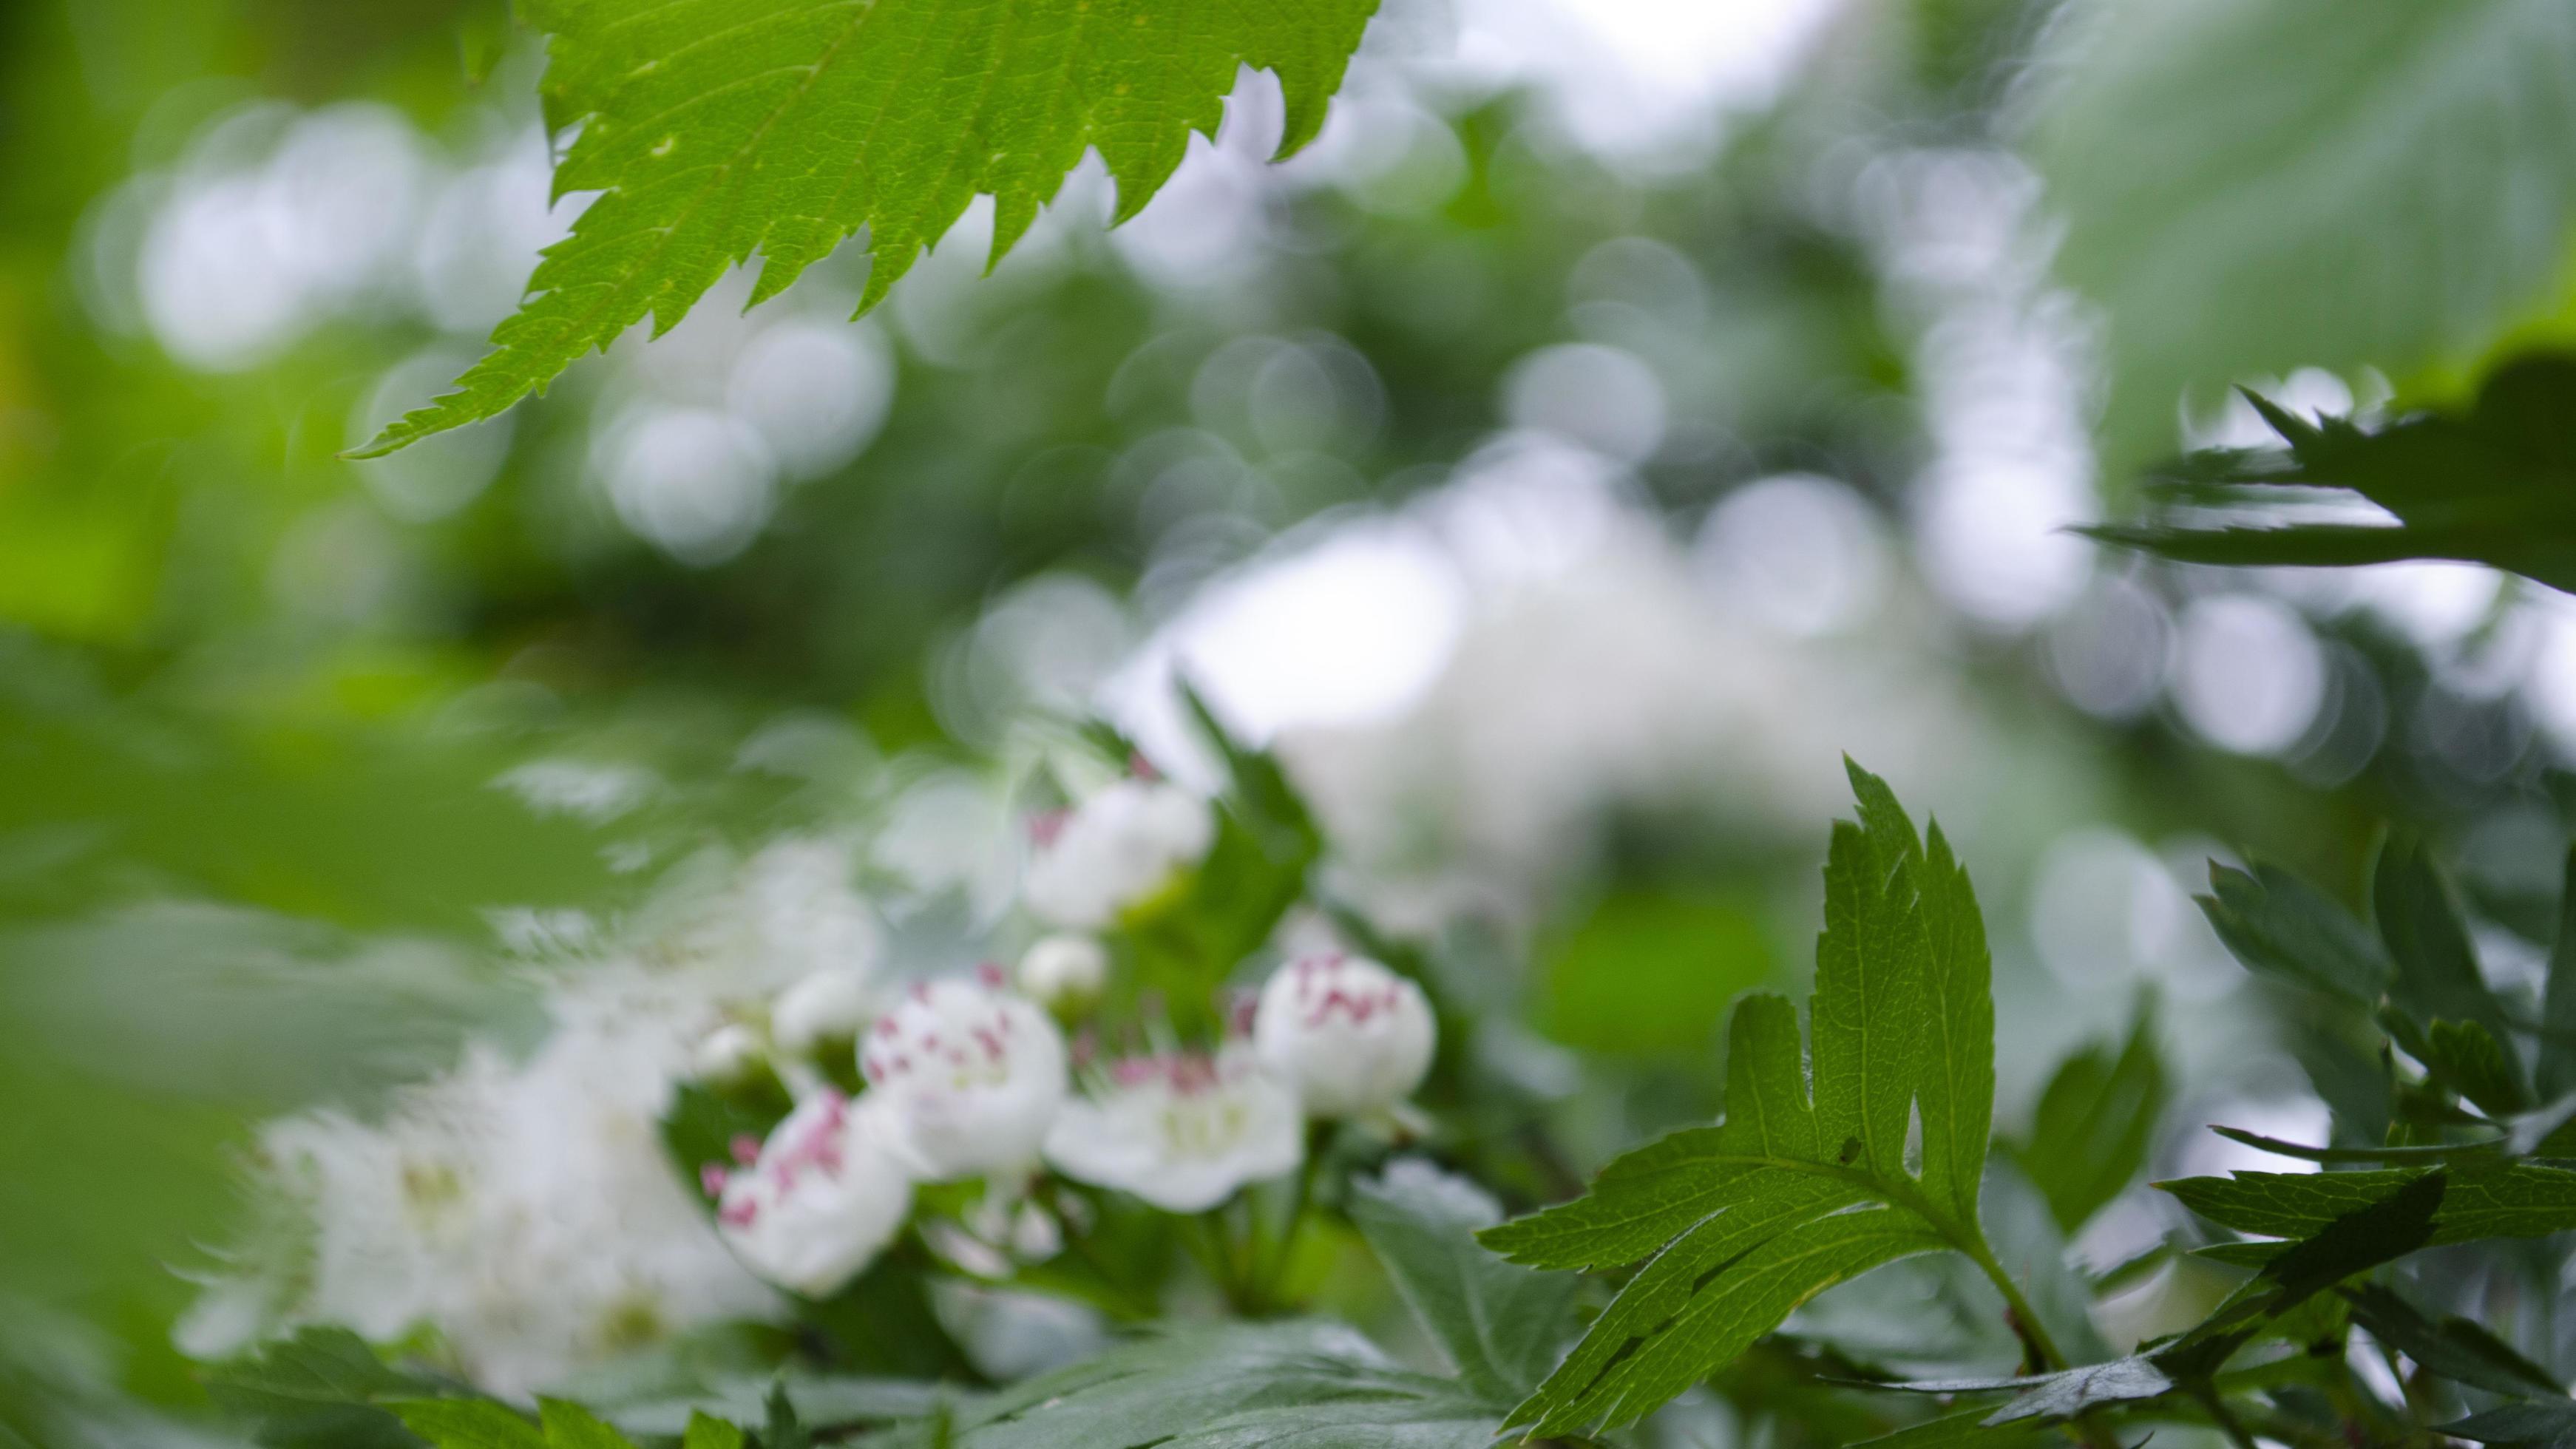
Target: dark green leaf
{"points": [[2530, 1426], [1500, 1324], [704, 1432], [2468, 1058], [2429, 1152], [317, 1390], [2490, 486], [717, 130], [2279, 925], [2557, 1071], [570, 1426], [2437, 969], [2453, 1347], [2518, 1200], [1966, 1428]]}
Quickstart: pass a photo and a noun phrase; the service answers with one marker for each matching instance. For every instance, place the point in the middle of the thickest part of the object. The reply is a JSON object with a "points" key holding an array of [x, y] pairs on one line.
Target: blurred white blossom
{"points": [[1122, 845], [826, 1194], [970, 1077], [1181, 1131]]}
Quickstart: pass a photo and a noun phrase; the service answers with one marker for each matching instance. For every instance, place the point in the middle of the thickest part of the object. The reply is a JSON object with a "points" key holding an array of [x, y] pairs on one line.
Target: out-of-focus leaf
{"points": [[2248, 190], [2467, 1058], [317, 1390], [2526, 1426], [2454, 1347], [1968, 1427], [1651, 973], [470, 1424], [2281, 926], [1791, 1195], [2095, 1124], [2492, 486], [1501, 1324], [2556, 1073], [2437, 969], [720, 129]]}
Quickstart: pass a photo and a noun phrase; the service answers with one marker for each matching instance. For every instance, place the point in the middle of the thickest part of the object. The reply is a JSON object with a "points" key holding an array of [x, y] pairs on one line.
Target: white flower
{"points": [[970, 1077], [823, 1006], [1181, 1132], [728, 1054], [524, 1209], [1351, 1036], [1065, 972], [1122, 845], [825, 1196]]}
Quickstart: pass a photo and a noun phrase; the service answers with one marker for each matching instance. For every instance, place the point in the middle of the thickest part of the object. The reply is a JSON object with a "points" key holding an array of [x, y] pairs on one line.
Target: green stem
{"points": [[1319, 1139], [2224, 1417]]}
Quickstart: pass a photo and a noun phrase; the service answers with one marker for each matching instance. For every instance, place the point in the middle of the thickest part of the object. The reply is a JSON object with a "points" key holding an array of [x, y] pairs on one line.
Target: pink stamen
{"points": [[1142, 768], [711, 1179], [744, 1148], [990, 973], [1046, 825], [738, 1214]]}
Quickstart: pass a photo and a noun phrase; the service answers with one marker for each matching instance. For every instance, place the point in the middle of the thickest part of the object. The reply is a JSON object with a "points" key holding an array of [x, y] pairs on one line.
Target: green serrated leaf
{"points": [[319, 1388], [2516, 1200], [1794, 1192], [2095, 1124], [2302, 184], [469, 1424], [2488, 485], [2279, 925], [570, 1426], [1500, 1324], [717, 130], [704, 1432]]}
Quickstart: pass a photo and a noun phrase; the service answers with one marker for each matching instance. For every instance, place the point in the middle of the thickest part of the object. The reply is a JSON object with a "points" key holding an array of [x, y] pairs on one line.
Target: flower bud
{"points": [[1352, 1037], [822, 1007], [1120, 847], [971, 1077], [825, 1194], [1181, 1132], [1065, 973]]}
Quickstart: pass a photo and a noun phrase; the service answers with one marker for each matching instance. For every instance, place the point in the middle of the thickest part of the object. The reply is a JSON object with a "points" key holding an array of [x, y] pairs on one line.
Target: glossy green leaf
{"points": [[720, 130]]}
